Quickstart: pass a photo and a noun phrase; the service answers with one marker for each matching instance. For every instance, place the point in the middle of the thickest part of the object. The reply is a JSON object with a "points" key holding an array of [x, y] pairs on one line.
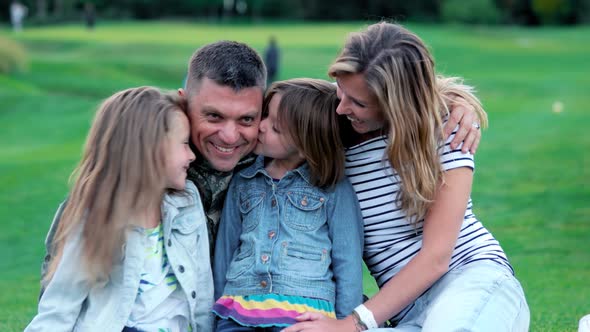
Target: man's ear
{"points": [[181, 92]]}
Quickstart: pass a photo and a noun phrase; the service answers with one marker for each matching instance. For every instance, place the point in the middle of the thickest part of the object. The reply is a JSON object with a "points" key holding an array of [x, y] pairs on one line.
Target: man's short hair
{"points": [[227, 63]]}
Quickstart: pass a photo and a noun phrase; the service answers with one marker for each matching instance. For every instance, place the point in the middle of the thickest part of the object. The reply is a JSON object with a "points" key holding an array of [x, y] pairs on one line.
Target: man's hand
{"points": [[469, 132]]}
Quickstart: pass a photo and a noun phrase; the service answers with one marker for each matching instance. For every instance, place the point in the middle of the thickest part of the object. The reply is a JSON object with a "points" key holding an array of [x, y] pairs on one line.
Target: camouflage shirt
{"points": [[212, 185]]}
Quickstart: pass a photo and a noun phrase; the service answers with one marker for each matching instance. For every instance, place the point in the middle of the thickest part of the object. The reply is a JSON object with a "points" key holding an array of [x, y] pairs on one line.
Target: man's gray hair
{"points": [[227, 63]]}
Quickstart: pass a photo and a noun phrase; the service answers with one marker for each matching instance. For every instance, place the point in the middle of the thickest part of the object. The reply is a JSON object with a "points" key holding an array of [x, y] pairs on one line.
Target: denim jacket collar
{"points": [[173, 203], [258, 168]]}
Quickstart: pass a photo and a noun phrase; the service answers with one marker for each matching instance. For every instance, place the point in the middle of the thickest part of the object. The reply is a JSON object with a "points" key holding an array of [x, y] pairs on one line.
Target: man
{"points": [[225, 86], [224, 89]]}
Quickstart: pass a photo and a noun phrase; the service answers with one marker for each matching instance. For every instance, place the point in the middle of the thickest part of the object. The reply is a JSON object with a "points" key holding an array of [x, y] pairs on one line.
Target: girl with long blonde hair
{"points": [[438, 268], [130, 252]]}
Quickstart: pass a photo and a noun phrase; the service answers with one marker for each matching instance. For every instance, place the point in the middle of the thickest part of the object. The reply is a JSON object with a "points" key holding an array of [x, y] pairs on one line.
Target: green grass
{"points": [[531, 184]]}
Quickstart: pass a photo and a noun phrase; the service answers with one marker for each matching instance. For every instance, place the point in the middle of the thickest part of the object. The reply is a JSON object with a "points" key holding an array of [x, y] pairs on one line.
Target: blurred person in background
{"points": [[18, 12], [272, 56]]}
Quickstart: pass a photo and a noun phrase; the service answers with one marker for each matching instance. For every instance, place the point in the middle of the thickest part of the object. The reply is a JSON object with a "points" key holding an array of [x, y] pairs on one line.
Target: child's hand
{"points": [[316, 322]]}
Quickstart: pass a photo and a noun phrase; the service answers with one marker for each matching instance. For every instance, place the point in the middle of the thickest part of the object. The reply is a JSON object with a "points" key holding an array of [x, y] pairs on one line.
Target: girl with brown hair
{"points": [[290, 237]]}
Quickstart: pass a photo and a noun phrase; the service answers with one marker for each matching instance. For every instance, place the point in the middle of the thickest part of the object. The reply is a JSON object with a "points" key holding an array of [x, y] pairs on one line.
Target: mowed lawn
{"points": [[531, 185]]}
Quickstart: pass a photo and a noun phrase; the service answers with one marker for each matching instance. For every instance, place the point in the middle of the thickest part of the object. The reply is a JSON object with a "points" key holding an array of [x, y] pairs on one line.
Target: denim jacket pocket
{"points": [[250, 206], [305, 260], [241, 262], [186, 234], [305, 211]]}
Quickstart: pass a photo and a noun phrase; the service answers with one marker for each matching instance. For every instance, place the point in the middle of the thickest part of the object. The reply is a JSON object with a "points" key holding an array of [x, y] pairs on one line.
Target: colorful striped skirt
{"points": [[268, 310]]}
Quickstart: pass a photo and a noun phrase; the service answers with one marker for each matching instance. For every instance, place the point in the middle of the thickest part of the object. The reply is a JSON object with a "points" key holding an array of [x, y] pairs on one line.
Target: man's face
{"points": [[224, 123]]}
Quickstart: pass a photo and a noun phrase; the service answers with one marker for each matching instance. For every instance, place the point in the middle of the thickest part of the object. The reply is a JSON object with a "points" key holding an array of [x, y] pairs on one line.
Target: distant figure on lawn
{"points": [[89, 15], [272, 59], [18, 11]]}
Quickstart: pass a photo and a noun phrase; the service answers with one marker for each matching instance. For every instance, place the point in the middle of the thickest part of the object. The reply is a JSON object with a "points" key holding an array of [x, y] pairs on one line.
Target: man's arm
{"points": [[465, 110]]}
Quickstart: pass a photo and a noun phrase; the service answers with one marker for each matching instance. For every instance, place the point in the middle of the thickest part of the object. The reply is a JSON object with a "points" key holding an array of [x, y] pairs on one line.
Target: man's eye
{"points": [[248, 120]]}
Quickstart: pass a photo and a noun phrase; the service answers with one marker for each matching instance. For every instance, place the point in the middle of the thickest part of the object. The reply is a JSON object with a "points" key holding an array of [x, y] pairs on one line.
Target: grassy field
{"points": [[533, 167]]}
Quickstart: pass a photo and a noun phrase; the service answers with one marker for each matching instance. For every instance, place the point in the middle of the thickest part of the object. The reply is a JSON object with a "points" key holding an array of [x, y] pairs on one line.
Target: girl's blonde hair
{"points": [[121, 174], [307, 112], [399, 71]]}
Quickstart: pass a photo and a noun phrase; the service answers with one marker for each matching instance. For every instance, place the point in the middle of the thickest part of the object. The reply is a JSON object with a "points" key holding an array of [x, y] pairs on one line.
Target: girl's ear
{"points": [[181, 92]]}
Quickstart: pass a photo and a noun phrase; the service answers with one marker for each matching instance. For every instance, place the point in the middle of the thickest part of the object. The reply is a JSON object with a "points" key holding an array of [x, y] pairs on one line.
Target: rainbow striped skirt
{"points": [[266, 310]]}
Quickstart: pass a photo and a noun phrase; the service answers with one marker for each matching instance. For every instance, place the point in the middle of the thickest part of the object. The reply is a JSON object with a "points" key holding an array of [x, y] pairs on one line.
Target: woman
{"points": [[437, 267]]}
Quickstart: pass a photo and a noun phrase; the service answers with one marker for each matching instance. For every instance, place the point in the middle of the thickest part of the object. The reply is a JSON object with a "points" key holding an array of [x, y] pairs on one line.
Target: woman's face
{"points": [[358, 104]]}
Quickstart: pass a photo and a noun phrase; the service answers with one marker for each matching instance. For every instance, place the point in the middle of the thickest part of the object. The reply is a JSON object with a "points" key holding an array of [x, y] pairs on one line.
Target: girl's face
{"points": [[273, 141], [178, 153], [358, 104]]}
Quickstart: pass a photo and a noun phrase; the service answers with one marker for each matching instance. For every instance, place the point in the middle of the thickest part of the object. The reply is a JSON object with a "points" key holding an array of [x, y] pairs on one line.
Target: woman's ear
{"points": [[181, 92]]}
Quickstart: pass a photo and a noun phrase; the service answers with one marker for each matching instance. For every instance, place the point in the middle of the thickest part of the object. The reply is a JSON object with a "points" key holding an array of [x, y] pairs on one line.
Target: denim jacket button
{"points": [[181, 269], [304, 201], [169, 243], [193, 294], [271, 234], [264, 258], [263, 283], [273, 203]]}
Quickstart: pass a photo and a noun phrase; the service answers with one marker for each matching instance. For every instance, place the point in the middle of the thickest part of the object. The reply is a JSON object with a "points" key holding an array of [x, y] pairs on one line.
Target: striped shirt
{"points": [[390, 240]]}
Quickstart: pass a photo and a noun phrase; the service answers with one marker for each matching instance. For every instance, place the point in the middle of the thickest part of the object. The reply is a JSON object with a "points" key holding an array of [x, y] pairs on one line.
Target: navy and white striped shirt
{"points": [[390, 240]]}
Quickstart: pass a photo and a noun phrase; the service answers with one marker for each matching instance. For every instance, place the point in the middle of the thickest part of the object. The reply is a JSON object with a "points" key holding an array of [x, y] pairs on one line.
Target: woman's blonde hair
{"points": [[307, 112], [399, 71], [121, 174]]}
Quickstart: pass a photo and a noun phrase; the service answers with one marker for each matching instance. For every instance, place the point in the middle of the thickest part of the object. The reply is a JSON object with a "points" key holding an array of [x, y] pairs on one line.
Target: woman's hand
{"points": [[463, 114], [316, 322]]}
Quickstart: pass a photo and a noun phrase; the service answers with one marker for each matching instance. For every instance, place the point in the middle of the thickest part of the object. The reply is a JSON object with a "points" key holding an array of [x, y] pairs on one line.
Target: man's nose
{"points": [[229, 134]]}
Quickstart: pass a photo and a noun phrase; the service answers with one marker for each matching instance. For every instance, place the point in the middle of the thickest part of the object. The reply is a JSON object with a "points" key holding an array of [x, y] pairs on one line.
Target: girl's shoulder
{"points": [[187, 197]]}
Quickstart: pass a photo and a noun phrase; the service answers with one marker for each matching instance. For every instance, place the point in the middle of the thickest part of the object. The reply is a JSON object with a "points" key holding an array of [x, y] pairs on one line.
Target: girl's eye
{"points": [[275, 130]]}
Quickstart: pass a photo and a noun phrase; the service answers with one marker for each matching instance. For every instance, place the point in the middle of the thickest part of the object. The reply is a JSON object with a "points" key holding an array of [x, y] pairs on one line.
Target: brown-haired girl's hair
{"points": [[399, 72], [120, 175], [307, 111]]}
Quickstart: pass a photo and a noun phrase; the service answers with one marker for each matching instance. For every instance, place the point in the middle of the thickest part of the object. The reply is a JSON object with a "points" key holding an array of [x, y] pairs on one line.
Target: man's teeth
{"points": [[222, 149]]}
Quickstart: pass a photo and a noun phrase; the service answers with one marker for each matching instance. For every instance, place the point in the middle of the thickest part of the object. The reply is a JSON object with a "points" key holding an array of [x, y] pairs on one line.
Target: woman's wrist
{"points": [[365, 317]]}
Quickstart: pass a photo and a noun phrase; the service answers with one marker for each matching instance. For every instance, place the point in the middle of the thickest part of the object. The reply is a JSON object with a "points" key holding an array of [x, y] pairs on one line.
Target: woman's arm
{"points": [[441, 228]]}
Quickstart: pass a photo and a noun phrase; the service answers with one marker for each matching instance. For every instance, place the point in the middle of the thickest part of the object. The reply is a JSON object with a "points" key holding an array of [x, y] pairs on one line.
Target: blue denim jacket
{"points": [[69, 303], [291, 238]]}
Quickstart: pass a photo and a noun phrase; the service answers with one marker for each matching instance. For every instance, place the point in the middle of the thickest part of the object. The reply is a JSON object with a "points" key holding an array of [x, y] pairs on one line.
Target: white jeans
{"points": [[480, 296]]}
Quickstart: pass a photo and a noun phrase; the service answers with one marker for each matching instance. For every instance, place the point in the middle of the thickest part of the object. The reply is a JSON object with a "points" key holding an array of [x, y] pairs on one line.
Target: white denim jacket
{"points": [[70, 303]]}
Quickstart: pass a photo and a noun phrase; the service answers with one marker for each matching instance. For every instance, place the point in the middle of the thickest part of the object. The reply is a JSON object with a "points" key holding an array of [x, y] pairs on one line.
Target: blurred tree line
{"points": [[521, 12]]}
